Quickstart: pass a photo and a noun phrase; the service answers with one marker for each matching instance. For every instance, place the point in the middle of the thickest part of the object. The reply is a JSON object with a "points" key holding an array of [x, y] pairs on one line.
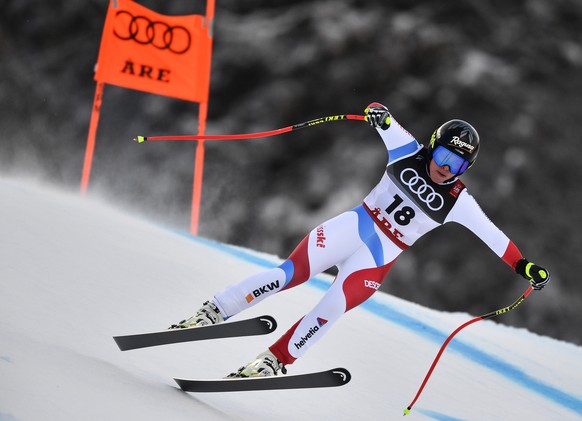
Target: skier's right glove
{"points": [[536, 275], [377, 115]]}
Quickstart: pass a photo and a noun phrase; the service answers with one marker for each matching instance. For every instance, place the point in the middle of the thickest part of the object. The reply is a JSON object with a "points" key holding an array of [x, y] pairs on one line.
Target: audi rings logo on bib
{"points": [[418, 185], [144, 31]]}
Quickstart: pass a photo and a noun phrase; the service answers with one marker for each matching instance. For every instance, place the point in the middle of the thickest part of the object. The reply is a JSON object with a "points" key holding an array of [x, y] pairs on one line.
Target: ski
{"points": [[329, 378], [261, 325]]}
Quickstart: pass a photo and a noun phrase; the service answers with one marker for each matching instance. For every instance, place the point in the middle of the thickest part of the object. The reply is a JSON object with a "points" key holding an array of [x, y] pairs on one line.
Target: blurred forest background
{"points": [[510, 68]]}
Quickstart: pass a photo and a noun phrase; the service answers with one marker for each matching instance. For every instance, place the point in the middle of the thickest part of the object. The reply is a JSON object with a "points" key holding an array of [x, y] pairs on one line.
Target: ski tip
{"points": [[270, 322], [343, 373]]}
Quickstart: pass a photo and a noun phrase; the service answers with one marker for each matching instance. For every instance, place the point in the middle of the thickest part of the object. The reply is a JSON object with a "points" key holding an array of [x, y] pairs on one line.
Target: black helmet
{"points": [[459, 137]]}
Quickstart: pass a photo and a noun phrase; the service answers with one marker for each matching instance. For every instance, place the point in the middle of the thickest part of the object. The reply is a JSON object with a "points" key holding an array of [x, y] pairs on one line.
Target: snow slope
{"points": [[76, 272]]}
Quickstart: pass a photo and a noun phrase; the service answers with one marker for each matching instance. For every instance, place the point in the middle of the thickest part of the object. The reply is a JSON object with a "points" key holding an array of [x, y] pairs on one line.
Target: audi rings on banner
{"points": [[418, 185], [142, 30]]}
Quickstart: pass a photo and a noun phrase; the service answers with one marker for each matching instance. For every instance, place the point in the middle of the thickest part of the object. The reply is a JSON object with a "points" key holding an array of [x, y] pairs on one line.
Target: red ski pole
{"points": [[309, 123], [476, 319]]}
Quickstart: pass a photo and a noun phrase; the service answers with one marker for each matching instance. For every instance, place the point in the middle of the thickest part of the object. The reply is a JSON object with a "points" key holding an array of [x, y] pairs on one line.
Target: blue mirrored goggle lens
{"points": [[442, 156]]}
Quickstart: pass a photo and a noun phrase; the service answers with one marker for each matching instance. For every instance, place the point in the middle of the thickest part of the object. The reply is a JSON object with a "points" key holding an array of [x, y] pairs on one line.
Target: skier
{"points": [[419, 191]]}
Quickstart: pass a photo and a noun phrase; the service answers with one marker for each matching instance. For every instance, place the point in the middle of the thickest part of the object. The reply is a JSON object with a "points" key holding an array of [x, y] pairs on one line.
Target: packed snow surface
{"points": [[75, 272]]}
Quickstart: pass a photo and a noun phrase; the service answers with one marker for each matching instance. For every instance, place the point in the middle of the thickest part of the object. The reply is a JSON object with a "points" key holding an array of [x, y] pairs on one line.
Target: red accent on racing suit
{"points": [[365, 242]]}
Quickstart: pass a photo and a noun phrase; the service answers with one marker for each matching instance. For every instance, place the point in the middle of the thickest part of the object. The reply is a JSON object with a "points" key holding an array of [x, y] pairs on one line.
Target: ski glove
{"points": [[536, 275], [377, 115]]}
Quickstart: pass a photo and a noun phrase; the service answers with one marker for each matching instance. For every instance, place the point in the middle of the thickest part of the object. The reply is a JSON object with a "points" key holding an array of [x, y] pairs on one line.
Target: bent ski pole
{"points": [[476, 319], [298, 126]]}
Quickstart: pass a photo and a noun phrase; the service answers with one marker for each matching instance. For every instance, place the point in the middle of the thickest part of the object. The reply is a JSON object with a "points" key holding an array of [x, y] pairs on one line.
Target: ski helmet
{"points": [[458, 137]]}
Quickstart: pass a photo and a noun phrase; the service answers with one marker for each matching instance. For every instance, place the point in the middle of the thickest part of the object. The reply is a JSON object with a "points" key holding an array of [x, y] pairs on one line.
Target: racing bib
{"points": [[411, 177], [407, 204]]}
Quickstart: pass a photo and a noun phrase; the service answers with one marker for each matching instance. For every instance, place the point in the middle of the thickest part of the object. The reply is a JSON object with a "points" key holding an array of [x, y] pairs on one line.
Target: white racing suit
{"points": [[364, 243]]}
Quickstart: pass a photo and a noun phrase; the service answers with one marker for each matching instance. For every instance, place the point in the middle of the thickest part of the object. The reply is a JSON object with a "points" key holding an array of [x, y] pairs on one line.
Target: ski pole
{"points": [[298, 126], [476, 319]]}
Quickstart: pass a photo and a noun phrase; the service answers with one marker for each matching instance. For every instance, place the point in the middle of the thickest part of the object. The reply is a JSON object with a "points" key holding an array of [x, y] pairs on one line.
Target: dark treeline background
{"points": [[510, 68]]}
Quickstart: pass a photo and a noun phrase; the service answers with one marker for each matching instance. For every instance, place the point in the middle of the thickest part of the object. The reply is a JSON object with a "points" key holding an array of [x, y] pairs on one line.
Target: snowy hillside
{"points": [[76, 272]]}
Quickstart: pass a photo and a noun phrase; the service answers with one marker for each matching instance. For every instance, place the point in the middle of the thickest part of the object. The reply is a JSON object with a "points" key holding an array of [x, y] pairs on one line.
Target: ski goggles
{"points": [[457, 165]]}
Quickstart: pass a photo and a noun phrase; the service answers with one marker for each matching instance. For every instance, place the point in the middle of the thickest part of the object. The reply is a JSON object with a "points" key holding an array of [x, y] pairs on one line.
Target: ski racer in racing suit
{"points": [[419, 191]]}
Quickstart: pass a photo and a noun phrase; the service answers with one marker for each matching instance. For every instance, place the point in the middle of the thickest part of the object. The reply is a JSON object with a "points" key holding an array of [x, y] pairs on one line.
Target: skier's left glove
{"points": [[377, 115], [536, 275]]}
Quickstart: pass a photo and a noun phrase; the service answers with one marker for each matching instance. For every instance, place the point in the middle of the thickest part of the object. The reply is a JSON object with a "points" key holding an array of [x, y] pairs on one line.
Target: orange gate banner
{"points": [[164, 55]]}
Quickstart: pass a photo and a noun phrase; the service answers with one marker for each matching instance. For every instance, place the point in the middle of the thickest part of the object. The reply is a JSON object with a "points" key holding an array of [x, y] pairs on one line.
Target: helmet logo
{"points": [[456, 141], [420, 188]]}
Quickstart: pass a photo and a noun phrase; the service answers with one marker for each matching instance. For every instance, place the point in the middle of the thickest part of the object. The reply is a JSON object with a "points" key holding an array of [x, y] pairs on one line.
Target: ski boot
{"points": [[208, 314], [266, 364]]}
